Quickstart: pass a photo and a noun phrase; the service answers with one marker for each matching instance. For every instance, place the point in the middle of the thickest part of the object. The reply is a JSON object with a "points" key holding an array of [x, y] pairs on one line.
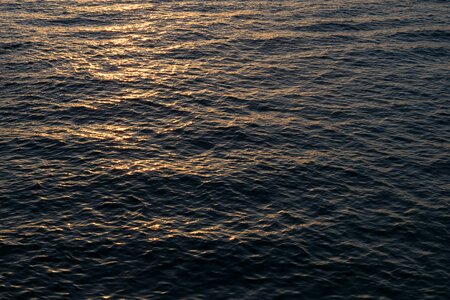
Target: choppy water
{"points": [[228, 149]]}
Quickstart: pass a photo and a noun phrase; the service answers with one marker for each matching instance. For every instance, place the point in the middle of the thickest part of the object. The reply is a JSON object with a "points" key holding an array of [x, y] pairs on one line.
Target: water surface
{"points": [[229, 149]]}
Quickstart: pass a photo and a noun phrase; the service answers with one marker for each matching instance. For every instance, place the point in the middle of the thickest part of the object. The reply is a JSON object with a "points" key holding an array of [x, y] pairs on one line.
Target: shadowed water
{"points": [[224, 149]]}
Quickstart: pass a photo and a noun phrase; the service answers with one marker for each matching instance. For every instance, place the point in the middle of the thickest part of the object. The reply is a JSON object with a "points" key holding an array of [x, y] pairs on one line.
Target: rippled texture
{"points": [[229, 149]]}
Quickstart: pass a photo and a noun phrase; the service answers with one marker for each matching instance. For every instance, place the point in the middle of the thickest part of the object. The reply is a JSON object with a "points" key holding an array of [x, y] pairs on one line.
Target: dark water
{"points": [[224, 149]]}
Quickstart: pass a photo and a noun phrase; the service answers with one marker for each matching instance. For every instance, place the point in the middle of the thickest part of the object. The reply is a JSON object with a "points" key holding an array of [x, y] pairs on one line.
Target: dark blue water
{"points": [[224, 149]]}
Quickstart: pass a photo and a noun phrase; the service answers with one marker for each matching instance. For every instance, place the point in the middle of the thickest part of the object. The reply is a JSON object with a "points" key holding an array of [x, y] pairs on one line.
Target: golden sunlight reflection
{"points": [[134, 54], [207, 165], [223, 149], [257, 225]]}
